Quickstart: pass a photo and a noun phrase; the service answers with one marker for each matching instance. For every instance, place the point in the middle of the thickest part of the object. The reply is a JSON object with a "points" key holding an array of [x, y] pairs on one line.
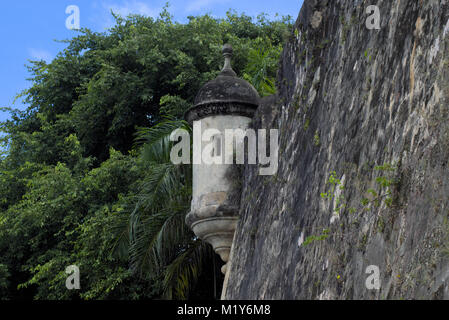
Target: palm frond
{"points": [[161, 184], [159, 240], [162, 130], [182, 274], [160, 243]]}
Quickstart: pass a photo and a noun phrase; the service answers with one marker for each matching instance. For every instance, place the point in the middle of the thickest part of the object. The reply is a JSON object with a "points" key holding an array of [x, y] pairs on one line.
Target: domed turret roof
{"points": [[226, 94]]}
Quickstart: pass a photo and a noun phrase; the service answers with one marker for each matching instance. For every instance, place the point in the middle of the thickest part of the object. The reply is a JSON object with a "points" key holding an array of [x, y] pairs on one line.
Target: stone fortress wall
{"points": [[363, 176]]}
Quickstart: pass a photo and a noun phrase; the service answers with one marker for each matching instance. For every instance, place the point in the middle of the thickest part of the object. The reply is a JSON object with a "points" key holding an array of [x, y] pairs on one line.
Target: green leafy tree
{"points": [[262, 66], [74, 187]]}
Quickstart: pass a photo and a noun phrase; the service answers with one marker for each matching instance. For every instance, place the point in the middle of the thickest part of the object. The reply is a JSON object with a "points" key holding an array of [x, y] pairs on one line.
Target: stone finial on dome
{"points": [[227, 68], [227, 94]]}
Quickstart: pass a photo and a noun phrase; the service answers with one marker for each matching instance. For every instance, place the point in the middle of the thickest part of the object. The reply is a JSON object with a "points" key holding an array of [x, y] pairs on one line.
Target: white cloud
{"points": [[197, 5], [39, 54]]}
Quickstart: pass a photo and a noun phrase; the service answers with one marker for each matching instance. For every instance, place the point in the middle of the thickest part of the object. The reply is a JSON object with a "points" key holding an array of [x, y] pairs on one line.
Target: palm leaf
{"points": [[182, 274], [160, 243]]}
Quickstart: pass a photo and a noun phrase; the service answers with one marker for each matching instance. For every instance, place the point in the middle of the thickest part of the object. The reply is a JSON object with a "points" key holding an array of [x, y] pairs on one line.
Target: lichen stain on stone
{"points": [[446, 29], [434, 50], [301, 239], [316, 19]]}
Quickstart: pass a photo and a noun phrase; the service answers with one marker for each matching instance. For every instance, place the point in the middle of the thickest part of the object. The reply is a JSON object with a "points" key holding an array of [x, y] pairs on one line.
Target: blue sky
{"points": [[29, 28]]}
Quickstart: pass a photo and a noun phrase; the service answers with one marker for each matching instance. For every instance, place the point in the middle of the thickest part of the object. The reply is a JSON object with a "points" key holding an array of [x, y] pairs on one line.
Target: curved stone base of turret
{"points": [[218, 232]]}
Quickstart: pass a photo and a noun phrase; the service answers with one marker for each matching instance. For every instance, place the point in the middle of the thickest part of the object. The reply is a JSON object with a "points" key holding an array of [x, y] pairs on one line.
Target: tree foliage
{"points": [[85, 176]]}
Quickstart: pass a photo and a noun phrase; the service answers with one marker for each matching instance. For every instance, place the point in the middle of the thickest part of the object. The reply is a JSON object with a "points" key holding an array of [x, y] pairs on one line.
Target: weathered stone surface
{"points": [[351, 99], [227, 89]]}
